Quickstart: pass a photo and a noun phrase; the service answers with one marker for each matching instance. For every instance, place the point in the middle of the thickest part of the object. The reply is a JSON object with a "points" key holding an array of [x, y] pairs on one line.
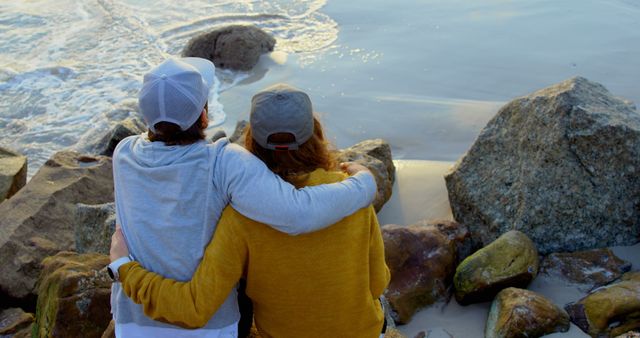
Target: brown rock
{"points": [[422, 260], [107, 144], [630, 334], [593, 268], [13, 173], [610, 310], [73, 296], [94, 225], [375, 155], [39, 220], [13, 321], [523, 313], [236, 47]]}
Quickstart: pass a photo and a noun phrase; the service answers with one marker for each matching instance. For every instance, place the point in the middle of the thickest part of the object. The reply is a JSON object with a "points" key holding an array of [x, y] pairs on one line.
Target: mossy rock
{"points": [[523, 313], [73, 296], [609, 311], [509, 261]]}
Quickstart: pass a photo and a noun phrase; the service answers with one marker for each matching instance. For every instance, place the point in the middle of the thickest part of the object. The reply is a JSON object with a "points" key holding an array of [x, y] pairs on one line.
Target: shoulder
{"points": [[322, 176], [125, 145]]}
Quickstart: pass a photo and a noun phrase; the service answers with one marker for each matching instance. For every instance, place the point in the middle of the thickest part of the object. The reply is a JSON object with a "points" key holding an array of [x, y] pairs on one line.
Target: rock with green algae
{"points": [[509, 261], [610, 310], [523, 313], [73, 296]]}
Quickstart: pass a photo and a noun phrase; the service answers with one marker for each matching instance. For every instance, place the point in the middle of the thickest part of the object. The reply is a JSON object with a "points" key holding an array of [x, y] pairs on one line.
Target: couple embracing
{"points": [[195, 218]]}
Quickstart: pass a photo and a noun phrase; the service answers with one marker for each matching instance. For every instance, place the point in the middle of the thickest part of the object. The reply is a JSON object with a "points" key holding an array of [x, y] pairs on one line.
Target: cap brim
{"points": [[206, 68]]}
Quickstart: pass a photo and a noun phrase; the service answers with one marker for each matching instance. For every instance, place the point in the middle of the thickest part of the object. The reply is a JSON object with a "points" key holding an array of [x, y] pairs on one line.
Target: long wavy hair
{"points": [[293, 165]]}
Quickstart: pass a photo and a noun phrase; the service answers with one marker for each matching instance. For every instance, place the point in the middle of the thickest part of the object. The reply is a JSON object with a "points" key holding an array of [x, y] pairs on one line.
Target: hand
{"points": [[118, 245], [353, 168]]}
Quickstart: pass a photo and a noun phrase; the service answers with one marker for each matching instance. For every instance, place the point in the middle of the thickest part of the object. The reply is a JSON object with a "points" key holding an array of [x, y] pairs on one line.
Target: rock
{"points": [[13, 321], [421, 258], [375, 155], [73, 296], [235, 47], [13, 173], [592, 268], [238, 133], [610, 310], [523, 313], [509, 261], [561, 165], [94, 225], [393, 333], [110, 331], [108, 142], [39, 220]]}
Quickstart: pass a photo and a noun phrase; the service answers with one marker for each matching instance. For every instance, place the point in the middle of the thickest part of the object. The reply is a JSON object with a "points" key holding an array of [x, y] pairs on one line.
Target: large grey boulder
{"points": [[13, 173], [561, 165], [39, 220], [376, 155], [235, 47], [107, 143]]}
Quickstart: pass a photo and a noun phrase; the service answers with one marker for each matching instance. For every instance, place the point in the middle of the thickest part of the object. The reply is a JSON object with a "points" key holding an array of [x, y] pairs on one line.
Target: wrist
{"points": [[112, 268]]}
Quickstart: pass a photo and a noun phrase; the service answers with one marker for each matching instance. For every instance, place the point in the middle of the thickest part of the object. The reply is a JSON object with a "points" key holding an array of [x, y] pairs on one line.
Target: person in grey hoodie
{"points": [[171, 187]]}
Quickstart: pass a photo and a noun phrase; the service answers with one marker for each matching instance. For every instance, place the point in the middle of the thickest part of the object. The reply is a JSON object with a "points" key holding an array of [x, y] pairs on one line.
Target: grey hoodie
{"points": [[169, 200]]}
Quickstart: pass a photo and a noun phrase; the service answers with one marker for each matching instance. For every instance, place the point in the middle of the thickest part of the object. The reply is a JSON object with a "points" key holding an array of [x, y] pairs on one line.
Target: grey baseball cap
{"points": [[281, 109], [176, 91]]}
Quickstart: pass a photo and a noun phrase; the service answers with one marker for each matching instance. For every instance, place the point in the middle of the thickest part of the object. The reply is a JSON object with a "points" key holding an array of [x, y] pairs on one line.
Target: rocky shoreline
{"points": [[551, 181]]}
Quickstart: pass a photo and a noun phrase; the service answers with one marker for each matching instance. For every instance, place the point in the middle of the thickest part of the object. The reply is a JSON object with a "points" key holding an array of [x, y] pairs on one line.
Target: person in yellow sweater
{"points": [[325, 283]]}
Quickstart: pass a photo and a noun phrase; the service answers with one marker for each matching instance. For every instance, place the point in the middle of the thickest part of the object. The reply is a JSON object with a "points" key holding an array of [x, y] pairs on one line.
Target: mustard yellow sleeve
{"points": [[379, 274], [190, 304]]}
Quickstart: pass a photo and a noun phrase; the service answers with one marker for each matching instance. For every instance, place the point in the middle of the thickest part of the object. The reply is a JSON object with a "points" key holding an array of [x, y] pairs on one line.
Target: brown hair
{"points": [[172, 135], [289, 164]]}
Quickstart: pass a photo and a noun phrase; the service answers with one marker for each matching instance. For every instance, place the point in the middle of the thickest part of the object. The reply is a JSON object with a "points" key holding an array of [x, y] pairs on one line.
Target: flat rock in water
{"points": [[39, 220], [73, 296], [376, 155], [235, 47], [421, 258], [13, 173], [523, 313], [610, 310], [592, 268], [509, 261], [561, 165]]}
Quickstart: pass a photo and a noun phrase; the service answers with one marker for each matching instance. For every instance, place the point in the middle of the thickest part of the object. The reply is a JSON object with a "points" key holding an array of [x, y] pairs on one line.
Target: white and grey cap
{"points": [[176, 91], [281, 109]]}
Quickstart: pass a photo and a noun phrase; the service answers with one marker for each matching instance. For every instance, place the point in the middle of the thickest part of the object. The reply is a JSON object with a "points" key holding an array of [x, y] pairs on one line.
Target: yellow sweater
{"points": [[325, 283]]}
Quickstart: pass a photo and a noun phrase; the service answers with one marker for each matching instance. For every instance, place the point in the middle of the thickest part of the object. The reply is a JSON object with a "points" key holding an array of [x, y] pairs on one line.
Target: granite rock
{"points": [[94, 225], [509, 261], [108, 142], [561, 165], [522, 313], [39, 220], [13, 173], [236, 47]]}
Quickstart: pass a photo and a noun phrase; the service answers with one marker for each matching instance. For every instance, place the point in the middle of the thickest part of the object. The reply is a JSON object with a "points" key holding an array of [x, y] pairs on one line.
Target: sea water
{"points": [[424, 75]]}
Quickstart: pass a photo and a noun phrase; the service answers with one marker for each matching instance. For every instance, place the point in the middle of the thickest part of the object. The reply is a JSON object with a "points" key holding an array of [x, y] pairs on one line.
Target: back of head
{"points": [[173, 97], [284, 133]]}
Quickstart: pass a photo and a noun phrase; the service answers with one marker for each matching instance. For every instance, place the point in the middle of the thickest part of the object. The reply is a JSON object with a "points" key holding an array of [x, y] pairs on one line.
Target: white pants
{"points": [[133, 330]]}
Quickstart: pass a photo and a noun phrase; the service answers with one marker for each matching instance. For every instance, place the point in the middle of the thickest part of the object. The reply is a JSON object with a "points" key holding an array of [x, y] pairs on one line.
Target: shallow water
{"points": [[425, 75]]}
